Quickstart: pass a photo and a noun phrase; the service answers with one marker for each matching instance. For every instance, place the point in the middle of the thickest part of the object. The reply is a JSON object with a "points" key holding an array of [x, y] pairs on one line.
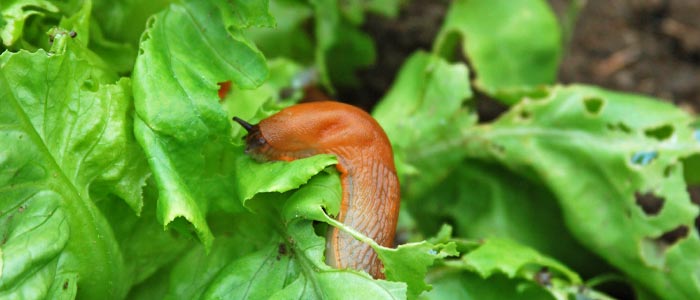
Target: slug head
{"points": [[256, 145], [311, 128]]}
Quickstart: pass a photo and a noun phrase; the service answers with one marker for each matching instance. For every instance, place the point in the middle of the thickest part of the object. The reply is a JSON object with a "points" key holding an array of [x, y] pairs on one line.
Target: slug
{"points": [[371, 195]]}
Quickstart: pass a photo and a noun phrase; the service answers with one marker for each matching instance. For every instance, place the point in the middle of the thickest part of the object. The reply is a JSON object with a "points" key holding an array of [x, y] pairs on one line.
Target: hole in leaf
{"points": [[487, 108], [593, 105], [654, 249], [696, 134], [694, 193], [660, 133], [671, 237], [650, 203], [643, 157]]}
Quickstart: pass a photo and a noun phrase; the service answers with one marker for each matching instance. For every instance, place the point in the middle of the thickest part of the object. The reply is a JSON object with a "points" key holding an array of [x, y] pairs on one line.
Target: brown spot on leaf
{"points": [[649, 202], [282, 250], [65, 285], [694, 193]]}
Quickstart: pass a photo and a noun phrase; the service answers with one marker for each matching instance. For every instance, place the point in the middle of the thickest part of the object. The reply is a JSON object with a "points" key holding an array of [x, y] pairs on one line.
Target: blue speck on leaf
{"points": [[644, 157]]}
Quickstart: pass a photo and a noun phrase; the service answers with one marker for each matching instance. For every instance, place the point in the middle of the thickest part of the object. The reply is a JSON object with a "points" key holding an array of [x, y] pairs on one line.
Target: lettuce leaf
{"points": [[67, 131], [514, 47], [180, 124]]}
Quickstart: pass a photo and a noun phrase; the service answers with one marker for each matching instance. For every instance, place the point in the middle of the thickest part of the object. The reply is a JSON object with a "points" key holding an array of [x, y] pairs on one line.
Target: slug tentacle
{"points": [[248, 127], [370, 201]]}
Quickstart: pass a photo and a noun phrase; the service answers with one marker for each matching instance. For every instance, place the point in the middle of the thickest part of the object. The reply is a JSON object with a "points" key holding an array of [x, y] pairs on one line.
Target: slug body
{"points": [[370, 201]]}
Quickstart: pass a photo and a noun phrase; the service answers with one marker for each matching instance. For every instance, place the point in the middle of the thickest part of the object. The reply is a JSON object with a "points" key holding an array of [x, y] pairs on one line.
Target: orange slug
{"points": [[370, 201]]}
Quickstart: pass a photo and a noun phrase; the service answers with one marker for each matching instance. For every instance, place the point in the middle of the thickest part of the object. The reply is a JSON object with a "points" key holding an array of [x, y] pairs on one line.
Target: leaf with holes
{"points": [[616, 172], [489, 201]]}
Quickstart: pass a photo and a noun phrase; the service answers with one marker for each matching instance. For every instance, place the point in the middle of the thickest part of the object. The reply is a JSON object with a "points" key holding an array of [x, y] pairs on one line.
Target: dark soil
{"points": [[644, 46], [649, 47], [395, 39]]}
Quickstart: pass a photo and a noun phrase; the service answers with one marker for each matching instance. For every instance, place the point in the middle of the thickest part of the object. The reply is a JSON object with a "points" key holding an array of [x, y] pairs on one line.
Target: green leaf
{"points": [[341, 48], [512, 259], [180, 123], [240, 14], [264, 255], [289, 39], [79, 23], [422, 110], [319, 281], [322, 194], [16, 13], [198, 271], [409, 263], [67, 127], [255, 276], [485, 200], [279, 91], [528, 270], [617, 174], [123, 22], [115, 29], [146, 248], [354, 10], [453, 284], [514, 47], [276, 176]]}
